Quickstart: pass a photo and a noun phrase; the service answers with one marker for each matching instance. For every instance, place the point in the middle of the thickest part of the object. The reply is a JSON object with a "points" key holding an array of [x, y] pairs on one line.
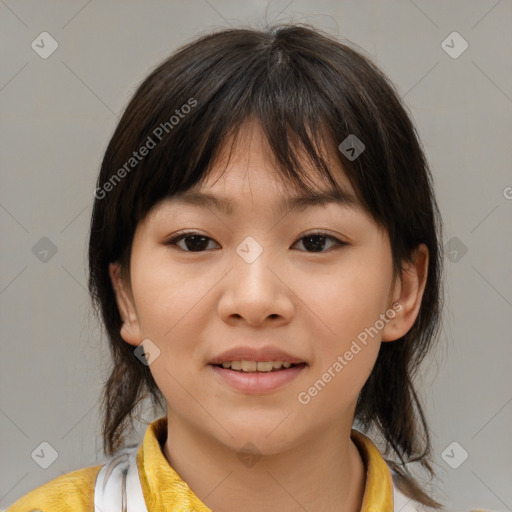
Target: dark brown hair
{"points": [[306, 90]]}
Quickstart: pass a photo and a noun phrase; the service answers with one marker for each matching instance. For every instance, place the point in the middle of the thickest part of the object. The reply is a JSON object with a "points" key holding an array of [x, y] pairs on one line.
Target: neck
{"points": [[324, 472]]}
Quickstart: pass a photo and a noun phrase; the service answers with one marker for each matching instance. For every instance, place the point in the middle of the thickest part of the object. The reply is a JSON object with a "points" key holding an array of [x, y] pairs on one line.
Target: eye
{"points": [[196, 242], [316, 241]]}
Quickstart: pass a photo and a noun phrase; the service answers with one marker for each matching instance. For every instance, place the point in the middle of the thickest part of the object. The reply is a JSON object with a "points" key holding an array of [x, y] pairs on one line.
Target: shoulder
{"points": [[72, 492]]}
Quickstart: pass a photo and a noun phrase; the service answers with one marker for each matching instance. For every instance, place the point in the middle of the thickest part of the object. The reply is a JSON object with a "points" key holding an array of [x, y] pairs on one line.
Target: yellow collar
{"points": [[164, 489], [378, 493]]}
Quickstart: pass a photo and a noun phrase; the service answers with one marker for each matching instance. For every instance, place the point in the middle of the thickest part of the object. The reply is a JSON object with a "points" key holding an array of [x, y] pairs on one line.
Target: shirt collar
{"points": [[378, 494], [164, 489]]}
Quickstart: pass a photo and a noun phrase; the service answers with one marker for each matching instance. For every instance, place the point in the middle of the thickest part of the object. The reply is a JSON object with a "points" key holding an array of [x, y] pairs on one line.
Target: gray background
{"points": [[57, 117]]}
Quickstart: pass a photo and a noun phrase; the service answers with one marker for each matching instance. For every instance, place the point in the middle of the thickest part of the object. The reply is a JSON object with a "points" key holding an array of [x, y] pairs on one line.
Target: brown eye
{"points": [[193, 242], [316, 242]]}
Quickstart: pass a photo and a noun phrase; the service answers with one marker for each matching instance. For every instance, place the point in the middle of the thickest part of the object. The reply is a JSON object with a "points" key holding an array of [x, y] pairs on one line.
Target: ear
{"points": [[130, 329], [407, 295]]}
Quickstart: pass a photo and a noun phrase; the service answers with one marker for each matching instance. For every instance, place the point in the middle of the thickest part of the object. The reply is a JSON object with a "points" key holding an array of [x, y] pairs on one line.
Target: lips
{"points": [[244, 353], [246, 378], [257, 383]]}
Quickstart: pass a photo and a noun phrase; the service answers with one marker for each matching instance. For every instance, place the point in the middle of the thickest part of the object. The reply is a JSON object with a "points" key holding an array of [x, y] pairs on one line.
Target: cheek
{"points": [[169, 303], [348, 300], [346, 307], [156, 302], [337, 379], [164, 294]]}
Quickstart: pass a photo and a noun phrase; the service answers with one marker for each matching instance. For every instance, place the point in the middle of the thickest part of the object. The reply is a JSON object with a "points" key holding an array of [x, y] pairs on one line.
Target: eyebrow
{"points": [[294, 203]]}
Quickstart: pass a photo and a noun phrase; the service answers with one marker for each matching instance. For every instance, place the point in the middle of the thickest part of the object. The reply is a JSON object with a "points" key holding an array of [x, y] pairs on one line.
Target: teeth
{"points": [[264, 366], [253, 366], [249, 366]]}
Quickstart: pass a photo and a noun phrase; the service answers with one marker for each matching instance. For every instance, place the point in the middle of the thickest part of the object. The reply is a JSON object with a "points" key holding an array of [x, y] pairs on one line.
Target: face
{"points": [[312, 285]]}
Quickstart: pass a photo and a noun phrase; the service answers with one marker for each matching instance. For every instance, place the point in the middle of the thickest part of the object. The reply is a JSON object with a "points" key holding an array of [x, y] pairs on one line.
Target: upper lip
{"points": [[251, 354]]}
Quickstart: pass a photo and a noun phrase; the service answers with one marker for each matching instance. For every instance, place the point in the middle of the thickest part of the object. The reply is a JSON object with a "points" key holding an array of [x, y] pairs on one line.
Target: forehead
{"points": [[245, 169], [292, 202]]}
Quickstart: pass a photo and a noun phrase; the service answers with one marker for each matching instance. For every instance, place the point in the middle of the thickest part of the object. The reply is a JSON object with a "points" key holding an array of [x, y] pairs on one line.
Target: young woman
{"points": [[265, 256]]}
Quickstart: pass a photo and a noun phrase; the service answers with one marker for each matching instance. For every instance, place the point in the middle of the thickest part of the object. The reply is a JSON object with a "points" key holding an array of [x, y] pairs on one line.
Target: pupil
{"points": [[199, 245], [316, 246]]}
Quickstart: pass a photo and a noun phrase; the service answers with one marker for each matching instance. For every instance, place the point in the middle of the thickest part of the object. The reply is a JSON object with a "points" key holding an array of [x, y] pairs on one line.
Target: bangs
{"points": [[303, 161]]}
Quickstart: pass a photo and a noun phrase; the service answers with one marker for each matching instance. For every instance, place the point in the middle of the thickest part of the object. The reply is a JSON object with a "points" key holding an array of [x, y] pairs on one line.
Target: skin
{"points": [[195, 305]]}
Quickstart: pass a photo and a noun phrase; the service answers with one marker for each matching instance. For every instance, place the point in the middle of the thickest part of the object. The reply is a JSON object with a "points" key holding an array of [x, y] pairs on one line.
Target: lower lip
{"points": [[257, 382]]}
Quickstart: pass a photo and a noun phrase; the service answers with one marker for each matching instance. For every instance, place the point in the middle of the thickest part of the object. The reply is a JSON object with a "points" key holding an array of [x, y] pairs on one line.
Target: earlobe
{"points": [[407, 296], [130, 329]]}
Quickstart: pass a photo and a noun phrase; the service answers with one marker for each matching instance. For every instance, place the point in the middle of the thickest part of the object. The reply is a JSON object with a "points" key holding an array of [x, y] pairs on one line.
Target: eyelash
{"points": [[180, 236]]}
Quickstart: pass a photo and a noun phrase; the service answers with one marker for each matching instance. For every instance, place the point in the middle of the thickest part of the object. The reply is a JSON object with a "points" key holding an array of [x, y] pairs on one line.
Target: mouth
{"points": [[258, 366], [257, 377]]}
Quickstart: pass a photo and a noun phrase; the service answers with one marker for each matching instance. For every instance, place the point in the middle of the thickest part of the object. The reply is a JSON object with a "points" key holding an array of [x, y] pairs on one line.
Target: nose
{"points": [[256, 291]]}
